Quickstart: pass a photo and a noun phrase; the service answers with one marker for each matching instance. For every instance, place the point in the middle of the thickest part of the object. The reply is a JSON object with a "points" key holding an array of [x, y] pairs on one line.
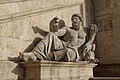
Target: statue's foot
{"points": [[27, 56], [21, 56]]}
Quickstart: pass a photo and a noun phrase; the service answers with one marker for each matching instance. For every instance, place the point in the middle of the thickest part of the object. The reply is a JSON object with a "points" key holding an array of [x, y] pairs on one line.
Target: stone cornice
{"points": [[56, 63], [12, 1], [14, 16]]}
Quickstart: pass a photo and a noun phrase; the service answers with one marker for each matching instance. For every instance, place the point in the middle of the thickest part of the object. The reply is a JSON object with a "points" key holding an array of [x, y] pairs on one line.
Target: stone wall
{"points": [[18, 19], [107, 17]]}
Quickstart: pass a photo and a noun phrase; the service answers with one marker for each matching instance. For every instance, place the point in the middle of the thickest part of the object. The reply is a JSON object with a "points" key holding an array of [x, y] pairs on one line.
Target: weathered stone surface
{"points": [[58, 70], [108, 39], [10, 47], [23, 28], [28, 7]]}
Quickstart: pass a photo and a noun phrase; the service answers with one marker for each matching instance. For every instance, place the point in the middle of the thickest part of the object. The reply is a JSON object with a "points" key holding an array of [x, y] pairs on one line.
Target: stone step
{"points": [[105, 78]]}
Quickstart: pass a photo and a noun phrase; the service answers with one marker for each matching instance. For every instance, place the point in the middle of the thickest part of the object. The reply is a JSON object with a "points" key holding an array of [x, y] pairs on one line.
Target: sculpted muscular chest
{"points": [[71, 35]]}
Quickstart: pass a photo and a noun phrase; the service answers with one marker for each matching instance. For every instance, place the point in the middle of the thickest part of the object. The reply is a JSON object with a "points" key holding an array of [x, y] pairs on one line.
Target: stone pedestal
{"points": [[51, 70]]}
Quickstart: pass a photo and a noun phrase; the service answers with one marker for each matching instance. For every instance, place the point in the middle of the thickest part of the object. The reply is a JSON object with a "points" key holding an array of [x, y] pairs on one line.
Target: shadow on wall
{"points": [[40, 31], [37, 39], [33, 44], [61, 24], [19, 71]]}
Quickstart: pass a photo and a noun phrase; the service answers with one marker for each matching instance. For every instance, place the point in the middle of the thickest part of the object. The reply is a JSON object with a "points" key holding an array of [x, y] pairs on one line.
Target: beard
{"points": [[75, 26]]}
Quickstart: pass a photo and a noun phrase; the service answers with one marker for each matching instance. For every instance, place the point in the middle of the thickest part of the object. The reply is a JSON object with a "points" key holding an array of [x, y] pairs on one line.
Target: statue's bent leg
{"points": [[59, 55], [49, 44]]}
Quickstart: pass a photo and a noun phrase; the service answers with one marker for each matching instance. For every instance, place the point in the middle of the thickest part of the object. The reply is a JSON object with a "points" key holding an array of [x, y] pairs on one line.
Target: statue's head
{"points": [[76, 21]]}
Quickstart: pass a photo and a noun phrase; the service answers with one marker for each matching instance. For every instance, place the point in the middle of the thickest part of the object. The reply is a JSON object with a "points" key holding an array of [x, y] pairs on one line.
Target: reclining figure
{"points": [[65, 44]]}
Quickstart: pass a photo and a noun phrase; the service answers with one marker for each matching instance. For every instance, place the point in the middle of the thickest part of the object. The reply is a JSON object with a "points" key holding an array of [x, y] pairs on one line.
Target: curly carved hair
{"points": [[77, 15]]}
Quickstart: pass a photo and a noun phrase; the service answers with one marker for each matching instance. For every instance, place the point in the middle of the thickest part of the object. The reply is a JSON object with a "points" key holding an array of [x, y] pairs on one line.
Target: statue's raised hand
{"points": [[93, 28]]}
